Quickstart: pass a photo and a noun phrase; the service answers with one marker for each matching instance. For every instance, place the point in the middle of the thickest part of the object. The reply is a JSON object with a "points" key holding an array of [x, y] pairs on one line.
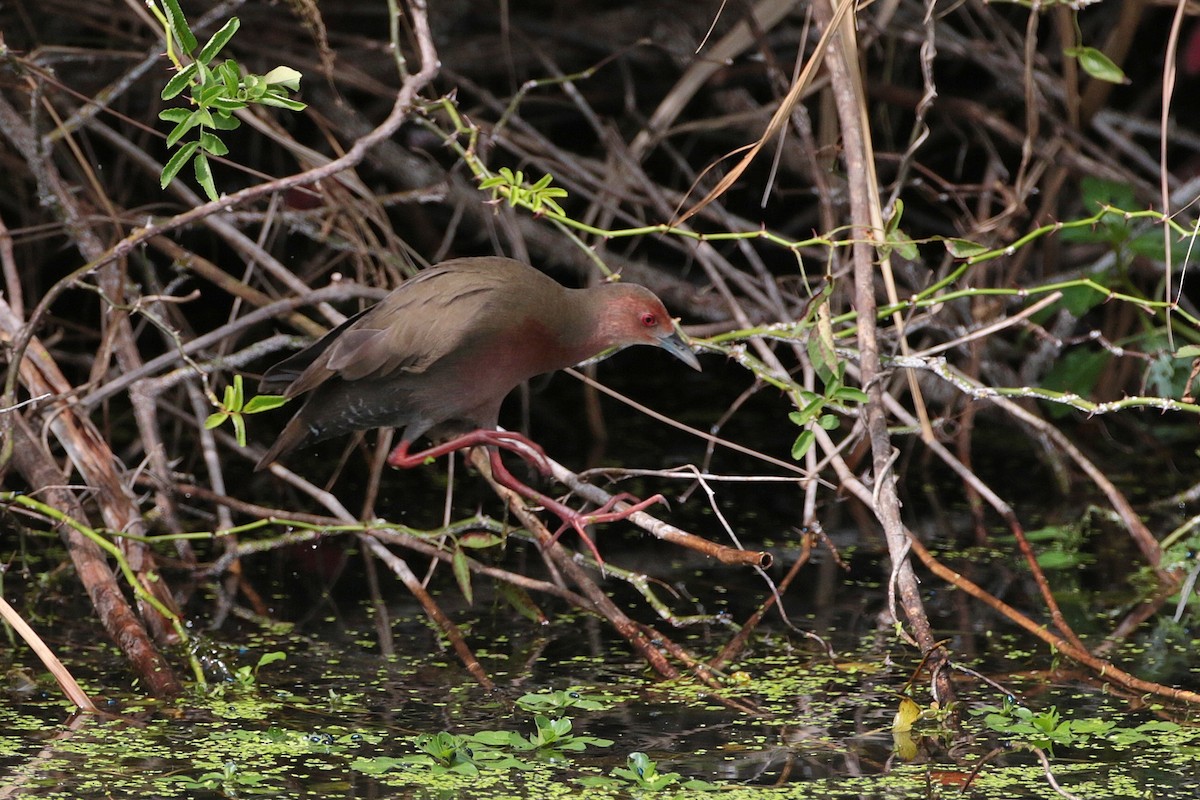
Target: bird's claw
{"points": [[531, 452], [523, 446], [579, 520]]}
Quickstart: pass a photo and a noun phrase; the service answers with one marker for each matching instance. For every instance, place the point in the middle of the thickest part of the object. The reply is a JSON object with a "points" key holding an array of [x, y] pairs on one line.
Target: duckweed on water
{"points": [[313, 725]]}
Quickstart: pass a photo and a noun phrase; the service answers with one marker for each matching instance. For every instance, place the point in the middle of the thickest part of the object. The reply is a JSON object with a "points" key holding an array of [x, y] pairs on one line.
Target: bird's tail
{"points": [[294, 434]]}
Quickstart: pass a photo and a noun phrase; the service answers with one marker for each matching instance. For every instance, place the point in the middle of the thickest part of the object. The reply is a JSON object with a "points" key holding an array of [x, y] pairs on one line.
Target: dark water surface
{"points": [[789, 722], [337, 717]]}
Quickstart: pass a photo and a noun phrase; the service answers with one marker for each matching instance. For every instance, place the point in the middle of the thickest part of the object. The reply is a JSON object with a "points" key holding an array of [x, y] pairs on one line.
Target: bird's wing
{"points": [[282, 375], [411, 329]]}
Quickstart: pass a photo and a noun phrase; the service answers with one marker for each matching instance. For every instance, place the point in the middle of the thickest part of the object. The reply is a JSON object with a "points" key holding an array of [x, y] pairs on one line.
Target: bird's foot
{"points": [[576, 520], [530, 451], [605, 513], [579, 520], [523, 446]]}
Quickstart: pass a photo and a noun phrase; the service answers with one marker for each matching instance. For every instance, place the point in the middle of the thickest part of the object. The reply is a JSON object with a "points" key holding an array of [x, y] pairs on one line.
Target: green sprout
{"points": [[511, 185], [234, 407], [215, 91]]}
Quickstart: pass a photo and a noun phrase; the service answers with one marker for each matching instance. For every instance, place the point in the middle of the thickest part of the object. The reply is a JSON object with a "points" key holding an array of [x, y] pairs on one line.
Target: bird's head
{"points": [[630, 315]]}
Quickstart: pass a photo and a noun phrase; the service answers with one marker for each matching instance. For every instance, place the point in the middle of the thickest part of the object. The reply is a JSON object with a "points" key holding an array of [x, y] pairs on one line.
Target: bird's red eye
{"points": [[649, 320]]}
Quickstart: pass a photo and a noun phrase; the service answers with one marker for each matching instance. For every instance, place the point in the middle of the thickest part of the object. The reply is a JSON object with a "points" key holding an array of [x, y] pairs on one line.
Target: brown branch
{"points": [[563, 561], [1141, 535], [849, 99], [419, 543], [223, 280], [982, 490], [405, 98], [36, 464], [660, 530], [1104, 669], [66, 681], [734, 646], [411, 582], [93, 458], [122, 382]]}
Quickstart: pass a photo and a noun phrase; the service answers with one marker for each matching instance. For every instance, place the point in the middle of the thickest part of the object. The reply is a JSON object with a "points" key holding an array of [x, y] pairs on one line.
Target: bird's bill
{"points": [[676, 344]]}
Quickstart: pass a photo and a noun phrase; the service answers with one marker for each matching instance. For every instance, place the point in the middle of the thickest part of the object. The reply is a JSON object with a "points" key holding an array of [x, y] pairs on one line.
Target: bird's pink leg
{"points": [[402, 459], [569, 516], [533, 453]]}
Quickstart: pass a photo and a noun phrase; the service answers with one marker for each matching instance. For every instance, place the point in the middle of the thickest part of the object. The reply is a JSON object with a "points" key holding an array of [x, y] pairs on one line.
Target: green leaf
{"points": [[215, 420], [176, 115], [895, 239], [1076, 371], [1150, 244], [212, 144], [224, 121], [180, 130], [1188, 351], [1096, 64], [898, 240], [520, 600], [179, 25], [279, 101], [802, 444], [1098, 192], [641, 769], [284, 76], [181, 157], [807, 398], [180, 81], [270, 658], [204, 78], [964, 248], [204, 175], [462, 573], [1081, 299], [264, 402], [493, 738], [226, 105], [219, 40], [239, 393], [230, 75], [594, 741], [814, 406], [479, 539], [239, 429], [1058, 559], [893, 222], [848, 394], [377, 765], [820, 347], [553, 206], [1050, 533], [211, 93], [253, 87], [536, 702], [828, 421], [551, 731]]}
